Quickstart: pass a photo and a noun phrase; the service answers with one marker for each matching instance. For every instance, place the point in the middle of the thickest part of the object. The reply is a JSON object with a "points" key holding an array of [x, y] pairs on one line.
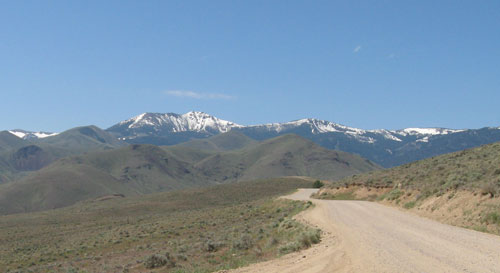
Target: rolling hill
{"points": [[141, 169], [18, 156], [9, 141], [83, 139], [287, 155]]}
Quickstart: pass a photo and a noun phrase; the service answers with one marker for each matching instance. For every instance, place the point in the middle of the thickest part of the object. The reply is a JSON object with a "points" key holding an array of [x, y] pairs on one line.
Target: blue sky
{"points": [[366, 64]]}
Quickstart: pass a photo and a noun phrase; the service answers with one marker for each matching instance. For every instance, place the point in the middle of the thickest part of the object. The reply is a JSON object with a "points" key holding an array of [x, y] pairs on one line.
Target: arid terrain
{"points": [[363, 236]]}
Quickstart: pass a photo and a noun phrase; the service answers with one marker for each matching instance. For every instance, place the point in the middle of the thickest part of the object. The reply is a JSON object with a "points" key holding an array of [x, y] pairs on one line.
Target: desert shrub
{"points": [[310, 237], [318, 184], [490, 189], [394, 194], [273, 241], [211, 246], [287, 224], [492, 218], [424, 195], [182, 257], [244, 242], [155, 261], [409, 205], [289, 247]]}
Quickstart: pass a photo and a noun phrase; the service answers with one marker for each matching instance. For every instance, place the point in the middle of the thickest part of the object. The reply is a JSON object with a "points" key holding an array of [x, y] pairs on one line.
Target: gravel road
{"points": [[369, 237]]}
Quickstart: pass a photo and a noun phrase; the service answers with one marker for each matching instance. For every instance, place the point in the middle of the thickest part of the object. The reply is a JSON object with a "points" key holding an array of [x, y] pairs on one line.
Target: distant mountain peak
{"points": [[164, 123]]}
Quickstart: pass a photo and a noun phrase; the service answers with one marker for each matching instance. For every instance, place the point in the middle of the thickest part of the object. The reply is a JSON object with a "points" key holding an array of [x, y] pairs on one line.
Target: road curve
{"points": [[369, 237]]}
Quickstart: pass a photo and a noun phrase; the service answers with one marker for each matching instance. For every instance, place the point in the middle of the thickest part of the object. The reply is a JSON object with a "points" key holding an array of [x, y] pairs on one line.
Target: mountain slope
{"points": [[9, 141], [82, 139], [132, 170], [288, 155], [19, 156], [55, 187], [470, 169], [232, 140], [141, 169]]}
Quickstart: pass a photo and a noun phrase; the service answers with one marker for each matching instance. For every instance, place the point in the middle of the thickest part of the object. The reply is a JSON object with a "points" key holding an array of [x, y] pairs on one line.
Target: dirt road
{"points": [[369, 237]]}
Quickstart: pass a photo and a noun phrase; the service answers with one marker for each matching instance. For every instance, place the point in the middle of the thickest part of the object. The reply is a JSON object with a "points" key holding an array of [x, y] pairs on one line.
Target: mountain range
{"points": [[387, 148]]}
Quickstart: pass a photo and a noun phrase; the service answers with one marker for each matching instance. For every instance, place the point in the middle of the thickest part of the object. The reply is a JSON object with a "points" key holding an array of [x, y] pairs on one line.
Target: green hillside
{"points": [[471, 170], [19, 157], [83, 139], [461, 188], [9, 141], [142, 169], [288, 155]]}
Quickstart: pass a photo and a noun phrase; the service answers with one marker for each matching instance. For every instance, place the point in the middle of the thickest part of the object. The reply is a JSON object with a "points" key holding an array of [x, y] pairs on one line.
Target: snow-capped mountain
{"points": [[385, 147], [157, 124], [31, 135], [368, 136]]}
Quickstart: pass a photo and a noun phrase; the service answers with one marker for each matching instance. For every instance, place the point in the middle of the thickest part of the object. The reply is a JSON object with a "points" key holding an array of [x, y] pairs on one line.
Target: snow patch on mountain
{"points": [[31, 135], [386, 134], [426, 131]]}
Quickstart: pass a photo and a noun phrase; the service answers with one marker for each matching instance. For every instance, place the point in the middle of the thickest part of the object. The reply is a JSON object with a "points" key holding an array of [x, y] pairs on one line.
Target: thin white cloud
{"points": [[357, 49], [197, 95]]}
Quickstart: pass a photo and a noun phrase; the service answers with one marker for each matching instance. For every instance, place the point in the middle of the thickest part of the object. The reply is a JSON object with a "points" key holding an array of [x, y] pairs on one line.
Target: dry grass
{"points": [[190, 231]]}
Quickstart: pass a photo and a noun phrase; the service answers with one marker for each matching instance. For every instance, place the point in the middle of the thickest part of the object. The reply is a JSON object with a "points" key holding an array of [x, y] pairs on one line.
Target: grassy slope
{"points": [[18, 157], [202, 230], [469, 170], [460, 188], [83, 139], [287, 155], [9, 141], [142, 169]]}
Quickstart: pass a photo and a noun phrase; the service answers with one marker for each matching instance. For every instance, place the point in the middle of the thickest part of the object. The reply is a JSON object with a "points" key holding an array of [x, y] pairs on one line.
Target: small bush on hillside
{"points": [[318, 184], [211, 246], [244, 242], [492, 218], [155, 261], [290, 247], [410, 205], [489, 189], [310, 237], [394, 194]]}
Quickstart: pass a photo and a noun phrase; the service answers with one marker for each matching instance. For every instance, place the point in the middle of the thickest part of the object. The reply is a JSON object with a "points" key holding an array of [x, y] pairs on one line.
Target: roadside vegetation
{"points": [[201, 230], [461, 188]]}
